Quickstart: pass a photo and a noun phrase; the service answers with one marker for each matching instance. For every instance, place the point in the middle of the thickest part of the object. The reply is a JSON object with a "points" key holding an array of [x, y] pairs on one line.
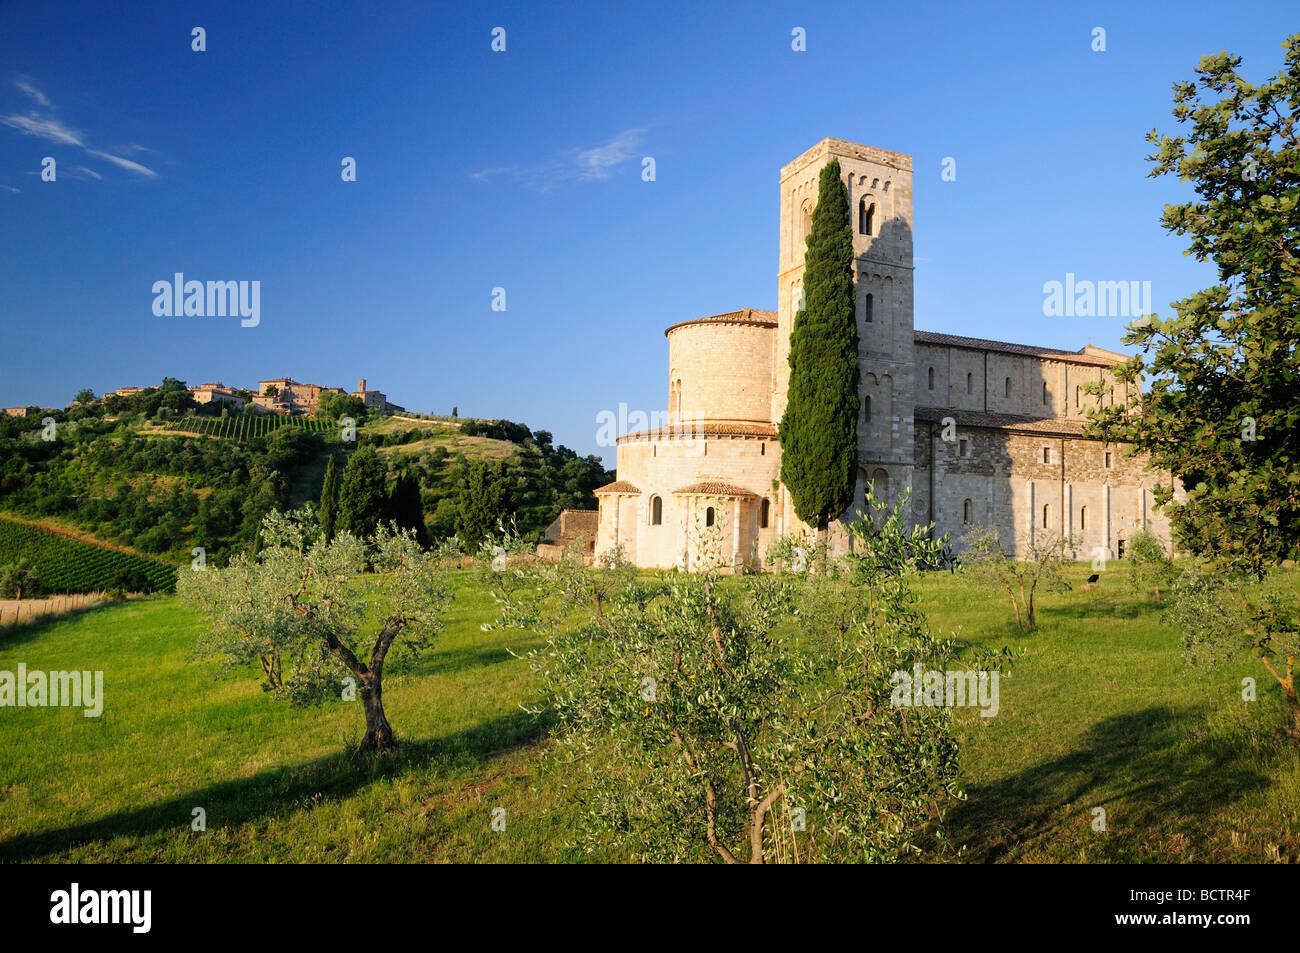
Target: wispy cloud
{"points": [[60, 133], [23, 83], [50, 130], [596, 164], [123, 163], [90, 172], [9, 188], [600, 162]]}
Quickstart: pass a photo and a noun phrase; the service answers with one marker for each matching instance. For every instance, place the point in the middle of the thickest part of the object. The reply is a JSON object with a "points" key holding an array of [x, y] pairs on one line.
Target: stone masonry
{"points": [[983, 432]]}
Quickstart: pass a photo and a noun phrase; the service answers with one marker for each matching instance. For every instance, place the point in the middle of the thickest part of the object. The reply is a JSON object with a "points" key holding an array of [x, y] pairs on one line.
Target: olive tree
{"points": [[1224, 615], [709, 717], [1150, 568], [19, 579], [1042, 564], [306, 605]]}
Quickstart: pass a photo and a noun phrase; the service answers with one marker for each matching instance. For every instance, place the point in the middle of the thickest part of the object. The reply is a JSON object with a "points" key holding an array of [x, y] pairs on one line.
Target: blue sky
{"points": [[522, 170]]}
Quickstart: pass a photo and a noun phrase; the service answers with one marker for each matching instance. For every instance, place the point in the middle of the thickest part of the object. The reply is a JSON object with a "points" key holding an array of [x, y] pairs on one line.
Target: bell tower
{"points": [[879, 186]]}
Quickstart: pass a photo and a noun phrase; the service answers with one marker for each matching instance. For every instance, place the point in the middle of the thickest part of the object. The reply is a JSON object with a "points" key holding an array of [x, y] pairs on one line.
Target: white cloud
{"points": [[90, 172], [599, 162], [23, 83], [9, 188], [596, 164], [49, 129], [124, 163], [59, 133]]}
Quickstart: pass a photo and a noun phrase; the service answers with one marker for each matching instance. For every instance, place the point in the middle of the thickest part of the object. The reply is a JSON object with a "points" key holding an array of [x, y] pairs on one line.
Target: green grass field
{"points": [[1100, 712]]}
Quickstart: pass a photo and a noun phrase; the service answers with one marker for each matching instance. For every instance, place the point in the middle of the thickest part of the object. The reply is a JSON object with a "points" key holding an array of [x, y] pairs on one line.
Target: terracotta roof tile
{"points": [[750, 316], [1028, 350], [714, 488], [702, 429], [970, 418], [618, 486]]}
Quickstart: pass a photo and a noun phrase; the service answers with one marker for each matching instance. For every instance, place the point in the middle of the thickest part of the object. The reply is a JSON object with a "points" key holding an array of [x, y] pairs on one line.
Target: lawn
{"points": [[1101, 711]]}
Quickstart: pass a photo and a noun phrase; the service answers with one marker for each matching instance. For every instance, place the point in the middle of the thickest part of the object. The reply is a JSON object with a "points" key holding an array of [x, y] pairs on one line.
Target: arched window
{"points": [[880, 485], [656, 511], [970, 383], [930, 378], [866, 309], [1047, 454], [764, 513], [806, 220], [1008, 386], [1044, 392], [1047, 515], [1083, 517], [709, 516], [1077, 393], [866, 216], [966, 509], [866, 408]]}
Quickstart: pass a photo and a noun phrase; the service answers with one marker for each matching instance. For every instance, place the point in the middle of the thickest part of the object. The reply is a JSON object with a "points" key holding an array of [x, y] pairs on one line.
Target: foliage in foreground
{"points": [[694, 722], [1222, 411], [1225, 615]]}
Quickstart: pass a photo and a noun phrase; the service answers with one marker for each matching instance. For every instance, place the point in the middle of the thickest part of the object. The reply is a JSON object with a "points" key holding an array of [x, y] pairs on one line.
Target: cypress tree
{"points": [[485, 501], [329, 501], [819, 432], [406, 509], [363, 494]]}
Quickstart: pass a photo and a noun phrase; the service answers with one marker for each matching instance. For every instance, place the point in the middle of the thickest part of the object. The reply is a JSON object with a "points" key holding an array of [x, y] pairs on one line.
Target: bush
{"points": [[19, 580]]}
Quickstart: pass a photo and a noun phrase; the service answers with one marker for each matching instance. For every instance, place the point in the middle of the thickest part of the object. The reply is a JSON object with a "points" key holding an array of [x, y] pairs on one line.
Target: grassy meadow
{"points": [[1101, 711]]}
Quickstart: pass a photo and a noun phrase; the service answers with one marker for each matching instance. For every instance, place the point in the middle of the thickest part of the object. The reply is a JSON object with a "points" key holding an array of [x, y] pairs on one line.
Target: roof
{"points": [[579, 520], [747, 316], [697, 429], [714, 488], [1085, 355], [618, 486], [571, 524], [1048, 426], [830, 146]]}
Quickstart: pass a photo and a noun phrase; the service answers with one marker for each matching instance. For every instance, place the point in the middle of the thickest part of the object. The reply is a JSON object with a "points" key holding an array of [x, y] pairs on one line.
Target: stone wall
{"points": [[724, 369], [1034, 486], [658, 467]]}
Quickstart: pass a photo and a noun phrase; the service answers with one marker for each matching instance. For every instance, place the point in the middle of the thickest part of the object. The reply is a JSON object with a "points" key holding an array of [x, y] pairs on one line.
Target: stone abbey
{"points": [[982, 432]]}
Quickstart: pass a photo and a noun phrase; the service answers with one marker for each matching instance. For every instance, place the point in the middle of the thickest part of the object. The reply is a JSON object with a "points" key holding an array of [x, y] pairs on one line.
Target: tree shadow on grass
{"points": [[14, 634], [282, 790], [1151, 770], [1076, 610], [451, 661]]}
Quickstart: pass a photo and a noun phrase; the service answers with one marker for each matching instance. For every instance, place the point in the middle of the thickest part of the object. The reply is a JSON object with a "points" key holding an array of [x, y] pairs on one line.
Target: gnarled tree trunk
{"points": [[379, 733]]}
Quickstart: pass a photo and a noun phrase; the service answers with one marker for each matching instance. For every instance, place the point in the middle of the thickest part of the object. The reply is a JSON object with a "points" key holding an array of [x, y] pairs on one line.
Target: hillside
{"points": [[159, 475], [66, 564]]}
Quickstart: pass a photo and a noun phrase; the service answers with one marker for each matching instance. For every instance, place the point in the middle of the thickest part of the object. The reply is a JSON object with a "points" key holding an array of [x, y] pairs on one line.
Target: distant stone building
{"points": [[16, 411], [981, 431], [290, 397], [373, 398], [568, 528], [207, 393]]}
